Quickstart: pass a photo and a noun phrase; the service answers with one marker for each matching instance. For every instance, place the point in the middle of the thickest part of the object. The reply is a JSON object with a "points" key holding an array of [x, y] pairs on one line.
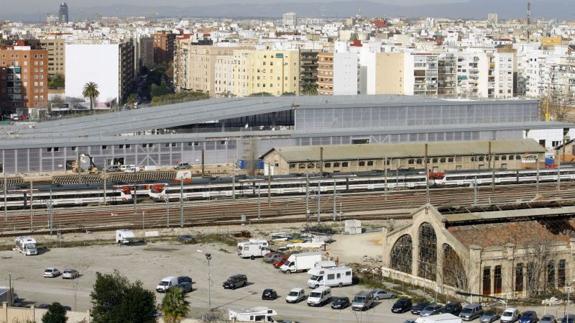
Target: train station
{"points": [[225, 131]]}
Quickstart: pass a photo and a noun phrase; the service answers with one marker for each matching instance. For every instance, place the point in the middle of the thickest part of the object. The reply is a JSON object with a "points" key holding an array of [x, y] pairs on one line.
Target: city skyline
{"points": [[36, 10]]}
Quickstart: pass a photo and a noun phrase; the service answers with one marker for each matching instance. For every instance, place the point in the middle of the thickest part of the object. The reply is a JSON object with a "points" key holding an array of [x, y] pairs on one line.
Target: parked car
{"points": [[471, 311], [488, 317], [452, 308], [235, 281], [362, 301], [402, 305], [273, 257], [269, 294], [295, 295], [281, 261], [185, 283], [417, 308], [70, 274], [339, 303], [510, 315], [528, 317], [548, 318], [569, 318], [182, 282], [186, 238], [319, 297], [379, 294], [183, 165], [431, 309], [51, 272], [113, 168]]}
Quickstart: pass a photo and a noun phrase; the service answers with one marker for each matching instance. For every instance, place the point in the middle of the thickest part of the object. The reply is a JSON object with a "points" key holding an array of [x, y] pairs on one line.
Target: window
{"points": [[519, 277], [497, 280], [127, 146], [104, 147], [370, 163], [551, 274], [49, 149], [336, 164], [481, 158], [121, 146], [344, 164], [504, 157], [442, 160], [450, 160], [330, 276], [301, 166], [487, 281], [410, 161], [292, 165], [327, 165], [361, 163], [434, 160], [511, 157], [562, 268]]}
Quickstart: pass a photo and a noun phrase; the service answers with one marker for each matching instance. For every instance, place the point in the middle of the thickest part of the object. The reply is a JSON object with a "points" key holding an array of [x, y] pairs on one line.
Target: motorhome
{"points": [[299, 262], [256, 314], [330, 276], [253, 248], [26, 246]]}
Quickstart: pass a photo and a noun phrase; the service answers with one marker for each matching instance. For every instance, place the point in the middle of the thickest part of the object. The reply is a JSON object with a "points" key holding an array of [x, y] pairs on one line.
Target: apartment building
{"points": [[143, 52], [224, 76], [325, 73], [23, 78], [164, 47], [503, 71], [109, 65], [194, 66], [345, 73], [275, 72], [308, 71], [390, 73], [55, 45], [472, 74]]}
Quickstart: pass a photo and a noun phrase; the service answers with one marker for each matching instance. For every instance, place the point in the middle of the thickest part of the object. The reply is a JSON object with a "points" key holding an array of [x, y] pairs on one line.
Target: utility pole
{"points": [[259, 201], [307, 196], [5, 194], [537, 182], [475, 191], [321, 160], [203, 162], [334, 200], [143, 220], [135, 198], [269, 185], [385, 178], [50, 211], [492, 166], [105, 184], [318, 201], [181, 203], [167, 199], [31, 206]]}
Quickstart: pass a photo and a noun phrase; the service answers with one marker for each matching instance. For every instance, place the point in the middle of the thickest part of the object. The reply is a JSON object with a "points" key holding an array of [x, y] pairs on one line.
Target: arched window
{"points": [[401, 254], [453, 271], [427, 252]]}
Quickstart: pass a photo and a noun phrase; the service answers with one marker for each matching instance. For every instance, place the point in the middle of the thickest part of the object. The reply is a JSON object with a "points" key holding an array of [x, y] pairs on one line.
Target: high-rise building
{"points": [[63, 13], [164, 47], [325, 73], [23, 78], [55, 46], [308, 71], [109, 65], [289, 19], [143, 52], [345, 73]]}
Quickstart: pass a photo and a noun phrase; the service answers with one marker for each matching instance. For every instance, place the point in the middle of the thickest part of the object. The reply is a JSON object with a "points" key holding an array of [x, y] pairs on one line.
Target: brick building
{"points": [[23, 78], [164, 47]]}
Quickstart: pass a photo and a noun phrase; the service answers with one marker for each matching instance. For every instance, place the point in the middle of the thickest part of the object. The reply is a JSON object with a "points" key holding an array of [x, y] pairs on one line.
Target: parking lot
{"points": [[150, 263]]}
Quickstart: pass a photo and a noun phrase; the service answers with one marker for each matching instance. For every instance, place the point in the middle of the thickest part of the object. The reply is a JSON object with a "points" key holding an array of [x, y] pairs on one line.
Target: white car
{"points": [[510, 315], [70, 274], [295, 295], [51, 272]]}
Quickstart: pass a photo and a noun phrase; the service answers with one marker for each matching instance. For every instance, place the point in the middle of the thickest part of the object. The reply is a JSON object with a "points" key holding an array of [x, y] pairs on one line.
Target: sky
{"points": [[36, 10]]}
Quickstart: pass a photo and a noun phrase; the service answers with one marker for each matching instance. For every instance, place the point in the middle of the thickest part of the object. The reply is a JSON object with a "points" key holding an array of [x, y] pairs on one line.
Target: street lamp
{"points": [[208, 258]]}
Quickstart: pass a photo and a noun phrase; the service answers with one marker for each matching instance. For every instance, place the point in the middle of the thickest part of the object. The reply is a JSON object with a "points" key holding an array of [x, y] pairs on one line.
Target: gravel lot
{"points": [[152, 262]]}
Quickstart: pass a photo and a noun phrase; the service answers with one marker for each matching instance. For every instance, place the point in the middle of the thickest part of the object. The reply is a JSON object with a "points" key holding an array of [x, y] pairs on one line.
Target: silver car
{"points": [[70, 274], [51, 272]]}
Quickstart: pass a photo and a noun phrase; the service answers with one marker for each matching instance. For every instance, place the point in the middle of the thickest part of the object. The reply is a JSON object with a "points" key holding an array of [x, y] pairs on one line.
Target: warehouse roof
{"points": [[403, 150], [175, 115]]}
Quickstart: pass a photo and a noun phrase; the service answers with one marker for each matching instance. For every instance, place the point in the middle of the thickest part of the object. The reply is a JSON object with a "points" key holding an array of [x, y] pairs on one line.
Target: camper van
{"points": [[256, 314], [331, 276], [253, 248], [26, 246], [125, 237]]}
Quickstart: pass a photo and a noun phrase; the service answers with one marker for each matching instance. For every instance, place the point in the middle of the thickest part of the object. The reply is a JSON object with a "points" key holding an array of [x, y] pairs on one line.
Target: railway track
{"points": [[279, 210]]}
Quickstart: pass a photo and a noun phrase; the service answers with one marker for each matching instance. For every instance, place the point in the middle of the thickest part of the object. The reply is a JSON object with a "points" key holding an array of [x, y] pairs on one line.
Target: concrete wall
{"points": [[24, 314]]}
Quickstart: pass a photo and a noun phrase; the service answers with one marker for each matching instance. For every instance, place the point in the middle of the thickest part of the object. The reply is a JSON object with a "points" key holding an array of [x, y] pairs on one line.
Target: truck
{"points": [[440, 318], [331, 276], [125, 237], [256, 314], [300, 262], [26, 246], [253, 248]]}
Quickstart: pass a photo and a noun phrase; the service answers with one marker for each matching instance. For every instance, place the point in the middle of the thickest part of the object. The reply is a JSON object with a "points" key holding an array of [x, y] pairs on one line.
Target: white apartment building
{"points": [[110, 66], [472, 74], [224, 75], [503, 73], [345, 73]]}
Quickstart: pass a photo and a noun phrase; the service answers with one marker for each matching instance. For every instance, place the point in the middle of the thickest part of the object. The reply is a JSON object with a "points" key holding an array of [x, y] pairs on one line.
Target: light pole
{"points": [[167, 200], [208, 258]]}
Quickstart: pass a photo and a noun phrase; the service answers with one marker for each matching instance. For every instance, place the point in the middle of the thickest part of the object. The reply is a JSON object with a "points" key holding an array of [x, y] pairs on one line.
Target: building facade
{"points": [[63, 15], [308, 62], [23, 78], [164, 47], [55, 45], [325, 73]]}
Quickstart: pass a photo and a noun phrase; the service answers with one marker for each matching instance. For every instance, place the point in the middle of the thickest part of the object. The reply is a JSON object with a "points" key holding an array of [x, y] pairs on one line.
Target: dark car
{"points": [[185, 284], [529, 317], [452, 308], [186, 238], [340, 303], [488, 317], [401, 306], [431, 309], [569, 318], [235, 281], [547, 318], [269, 294], [417, 308]]}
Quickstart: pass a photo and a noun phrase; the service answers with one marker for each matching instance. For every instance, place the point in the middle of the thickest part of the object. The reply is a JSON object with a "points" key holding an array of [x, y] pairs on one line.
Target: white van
{"points": [[331, 276], [166, 283], [319, 296]]}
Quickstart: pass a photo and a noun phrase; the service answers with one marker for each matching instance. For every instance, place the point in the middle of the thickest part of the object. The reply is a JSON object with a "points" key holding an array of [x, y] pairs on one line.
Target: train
{"points": [[226, 187]]}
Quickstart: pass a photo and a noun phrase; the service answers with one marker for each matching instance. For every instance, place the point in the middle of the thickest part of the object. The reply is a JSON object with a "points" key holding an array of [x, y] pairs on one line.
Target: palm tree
{"points": [[91, 92], [174, 306]]}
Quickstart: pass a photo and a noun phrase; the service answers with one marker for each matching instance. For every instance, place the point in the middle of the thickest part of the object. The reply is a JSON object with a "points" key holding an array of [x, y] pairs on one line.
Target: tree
{"points": [[174, 306], [56, 314], [116, 300], [56, 82], [91, 91]]}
